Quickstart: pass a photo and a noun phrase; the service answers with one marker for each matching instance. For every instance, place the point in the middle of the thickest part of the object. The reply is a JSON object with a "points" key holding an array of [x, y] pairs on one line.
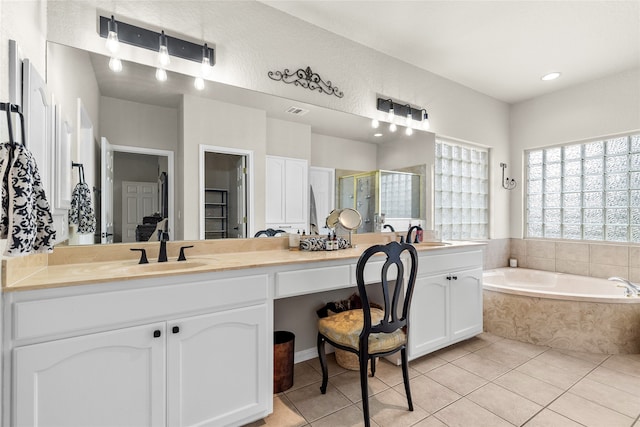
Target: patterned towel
{"points": [[25, 216], [81, 212]]}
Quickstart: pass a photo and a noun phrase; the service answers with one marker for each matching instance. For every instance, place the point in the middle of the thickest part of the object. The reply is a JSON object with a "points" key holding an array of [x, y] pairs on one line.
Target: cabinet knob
{"points": [[157, 333], [175, 329], [454, 277]]}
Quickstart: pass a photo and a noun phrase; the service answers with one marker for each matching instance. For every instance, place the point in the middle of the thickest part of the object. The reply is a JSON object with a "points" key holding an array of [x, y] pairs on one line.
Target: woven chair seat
{"points": [[344, 328]]}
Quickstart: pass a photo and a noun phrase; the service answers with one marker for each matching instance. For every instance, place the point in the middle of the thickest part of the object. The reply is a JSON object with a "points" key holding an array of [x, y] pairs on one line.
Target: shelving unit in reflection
{"points": [[216, 219]]}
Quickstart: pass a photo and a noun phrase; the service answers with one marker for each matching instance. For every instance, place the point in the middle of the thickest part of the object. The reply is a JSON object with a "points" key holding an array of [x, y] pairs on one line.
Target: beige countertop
{"points": [[69, 266]]}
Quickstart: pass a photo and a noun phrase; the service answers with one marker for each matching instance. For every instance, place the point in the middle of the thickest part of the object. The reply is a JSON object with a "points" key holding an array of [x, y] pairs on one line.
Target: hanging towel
{"points": [[26, 220], [81, 212]]}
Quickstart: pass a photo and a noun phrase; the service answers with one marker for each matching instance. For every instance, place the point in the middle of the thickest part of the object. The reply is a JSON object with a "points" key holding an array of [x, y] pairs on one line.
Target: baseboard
{"points": [[310, 353]]}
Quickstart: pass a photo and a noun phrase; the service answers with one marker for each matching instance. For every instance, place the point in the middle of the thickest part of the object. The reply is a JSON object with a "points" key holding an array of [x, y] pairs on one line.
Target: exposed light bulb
{"points": [[163, 53], [393, 127], [161, 75], [375, 123], [206, 62], [115, 64], [409, 130], [113, 44], [392, 113], [425, 120], [198, 83]]}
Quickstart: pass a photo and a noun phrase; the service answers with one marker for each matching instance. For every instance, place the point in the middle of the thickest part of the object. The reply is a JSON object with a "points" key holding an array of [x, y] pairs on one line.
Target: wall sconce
{"points": [[507, 184], [394, 109], [117, 32]]}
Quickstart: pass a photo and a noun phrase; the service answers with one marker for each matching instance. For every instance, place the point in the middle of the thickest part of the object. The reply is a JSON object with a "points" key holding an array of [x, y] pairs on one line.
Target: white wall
{"points": [[288, 139], [603, 107], [210, 122], [340, 153], [70, 76], [139, 125]]}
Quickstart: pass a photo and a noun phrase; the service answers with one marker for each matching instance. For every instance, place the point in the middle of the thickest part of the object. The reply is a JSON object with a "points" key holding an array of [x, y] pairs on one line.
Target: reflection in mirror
{"points": [[131, 109]]}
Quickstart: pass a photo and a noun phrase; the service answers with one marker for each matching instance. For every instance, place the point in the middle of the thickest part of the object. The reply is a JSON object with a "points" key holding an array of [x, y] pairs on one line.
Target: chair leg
{"points": [[405, 375], [323, 364], [373, 366], [364, 361]]}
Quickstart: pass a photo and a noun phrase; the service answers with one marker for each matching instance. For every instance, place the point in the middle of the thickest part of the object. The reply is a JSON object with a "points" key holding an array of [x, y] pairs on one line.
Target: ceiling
{"points": [[499, 48]]}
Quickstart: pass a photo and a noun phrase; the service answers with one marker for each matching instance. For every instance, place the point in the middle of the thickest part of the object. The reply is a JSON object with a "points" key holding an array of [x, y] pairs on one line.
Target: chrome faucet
{"points": [[414, 227], [163, 237], [632, 290]]}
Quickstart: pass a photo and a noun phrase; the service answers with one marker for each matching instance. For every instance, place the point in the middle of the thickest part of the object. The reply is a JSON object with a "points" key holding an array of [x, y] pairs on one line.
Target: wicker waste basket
{"points": [[283, 348]]}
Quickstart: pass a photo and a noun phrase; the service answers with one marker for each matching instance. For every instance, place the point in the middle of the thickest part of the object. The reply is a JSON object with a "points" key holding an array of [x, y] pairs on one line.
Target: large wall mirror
{"points": [[145, 121]]}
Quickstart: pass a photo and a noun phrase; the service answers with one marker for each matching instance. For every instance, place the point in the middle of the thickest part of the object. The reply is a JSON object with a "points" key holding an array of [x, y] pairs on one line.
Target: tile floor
{"points": [[485, 381]]}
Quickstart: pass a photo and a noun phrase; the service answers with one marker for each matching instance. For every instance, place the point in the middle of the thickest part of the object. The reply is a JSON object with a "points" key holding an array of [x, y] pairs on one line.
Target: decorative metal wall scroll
{"points": [[307, 79]]}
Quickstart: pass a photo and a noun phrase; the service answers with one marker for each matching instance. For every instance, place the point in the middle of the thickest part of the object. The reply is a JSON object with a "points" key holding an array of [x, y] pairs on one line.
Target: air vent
{"points": [[297, 111]]}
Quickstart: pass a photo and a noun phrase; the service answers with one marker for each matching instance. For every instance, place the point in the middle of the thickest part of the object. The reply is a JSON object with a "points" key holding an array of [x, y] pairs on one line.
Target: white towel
{"points": [[25, 219], [81, 212]]}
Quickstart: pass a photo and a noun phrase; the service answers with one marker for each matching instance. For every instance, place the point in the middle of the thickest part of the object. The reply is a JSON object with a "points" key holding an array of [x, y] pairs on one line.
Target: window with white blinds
{"points": [[461, 191], [586, 191]]}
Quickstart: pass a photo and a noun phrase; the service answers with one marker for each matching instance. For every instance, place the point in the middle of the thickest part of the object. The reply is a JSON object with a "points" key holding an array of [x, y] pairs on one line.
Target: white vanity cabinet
{"points": [[212, 368], [447, 300], [287, 193], [113, 378]]}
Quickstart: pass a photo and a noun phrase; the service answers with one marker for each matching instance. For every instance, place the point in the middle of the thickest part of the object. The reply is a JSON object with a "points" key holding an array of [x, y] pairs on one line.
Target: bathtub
{"points": [[561, 311]]}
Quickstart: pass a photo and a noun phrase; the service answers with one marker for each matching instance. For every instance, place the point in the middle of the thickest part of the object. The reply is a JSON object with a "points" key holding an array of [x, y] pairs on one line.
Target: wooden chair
{"points": [[370, 332], [269, 232]]}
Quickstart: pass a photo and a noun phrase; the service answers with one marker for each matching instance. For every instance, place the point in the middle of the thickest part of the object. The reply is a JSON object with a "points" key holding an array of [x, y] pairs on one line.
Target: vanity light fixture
{"points": [[163, 52], [112, 35], [117, 32], [409, 130], [411, 114], [425, 120]]}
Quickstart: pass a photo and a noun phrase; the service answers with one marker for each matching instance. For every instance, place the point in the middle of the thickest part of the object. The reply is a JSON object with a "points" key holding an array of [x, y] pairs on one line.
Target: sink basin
{"points": [[162, 266], [430, 244]]}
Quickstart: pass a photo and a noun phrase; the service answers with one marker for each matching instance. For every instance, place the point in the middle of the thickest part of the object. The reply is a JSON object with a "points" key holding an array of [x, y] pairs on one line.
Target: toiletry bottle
{"points": [[329, 242], [297, 240]]}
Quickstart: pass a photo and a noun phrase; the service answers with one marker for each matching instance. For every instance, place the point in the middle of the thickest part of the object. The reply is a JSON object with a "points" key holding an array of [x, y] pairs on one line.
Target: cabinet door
{"points": [[428, 327], [296, 191], [113, 378], [466, 304], [274, 190], [218, 368]]}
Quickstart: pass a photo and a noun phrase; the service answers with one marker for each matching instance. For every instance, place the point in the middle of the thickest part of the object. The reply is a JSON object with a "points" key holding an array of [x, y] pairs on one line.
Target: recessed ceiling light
{"points": [[551, 76], [377, 134]]}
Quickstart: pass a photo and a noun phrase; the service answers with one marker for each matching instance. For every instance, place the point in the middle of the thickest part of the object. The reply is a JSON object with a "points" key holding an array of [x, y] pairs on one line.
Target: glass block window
{"points": [[461, 191], [587, 191]]}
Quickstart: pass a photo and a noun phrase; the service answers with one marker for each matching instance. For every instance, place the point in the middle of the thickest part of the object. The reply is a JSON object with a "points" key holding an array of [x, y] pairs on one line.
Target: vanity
{"points": [[189, 343]]}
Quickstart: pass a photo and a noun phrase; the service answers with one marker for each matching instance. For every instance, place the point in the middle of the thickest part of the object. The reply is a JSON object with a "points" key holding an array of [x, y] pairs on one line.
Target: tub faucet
{"points": [[631, 288], [414, 227], [390, 227], [164, 236]]}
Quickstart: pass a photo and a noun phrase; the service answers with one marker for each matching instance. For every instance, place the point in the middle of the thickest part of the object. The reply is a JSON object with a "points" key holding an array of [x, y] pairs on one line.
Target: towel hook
{"points": [[80, 170], [507, 184]]}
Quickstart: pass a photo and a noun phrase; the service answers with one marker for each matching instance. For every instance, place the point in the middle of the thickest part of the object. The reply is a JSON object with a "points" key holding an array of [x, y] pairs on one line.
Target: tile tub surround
{"points": [[511, 383], [608, 328], [588, 259]]}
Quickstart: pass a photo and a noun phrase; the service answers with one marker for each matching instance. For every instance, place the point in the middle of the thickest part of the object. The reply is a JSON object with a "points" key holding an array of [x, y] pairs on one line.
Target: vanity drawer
{"points": [[298, 282], [69, 315], [444, 263]]}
